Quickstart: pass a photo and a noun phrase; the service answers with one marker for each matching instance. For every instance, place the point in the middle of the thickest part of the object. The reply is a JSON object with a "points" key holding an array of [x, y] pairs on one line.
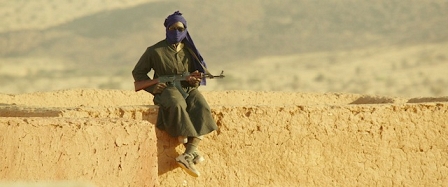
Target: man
{"points": [[186, 118]]}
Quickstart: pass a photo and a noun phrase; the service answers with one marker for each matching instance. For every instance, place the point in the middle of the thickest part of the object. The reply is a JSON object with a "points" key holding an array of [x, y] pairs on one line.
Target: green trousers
{"points": [[190, 117]]}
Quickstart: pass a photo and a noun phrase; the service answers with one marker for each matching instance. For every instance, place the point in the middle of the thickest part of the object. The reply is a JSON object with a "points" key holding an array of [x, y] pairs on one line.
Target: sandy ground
{"points": [[414, 71]]}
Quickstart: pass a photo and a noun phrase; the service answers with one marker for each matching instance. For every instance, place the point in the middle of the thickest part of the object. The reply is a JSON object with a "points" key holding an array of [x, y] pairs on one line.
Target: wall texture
{"points": [[107, 152], [108, 138]]}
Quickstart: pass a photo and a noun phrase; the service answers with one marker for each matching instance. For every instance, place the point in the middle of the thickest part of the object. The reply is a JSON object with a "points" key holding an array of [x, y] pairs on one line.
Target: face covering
{"points": [[175, 36]]}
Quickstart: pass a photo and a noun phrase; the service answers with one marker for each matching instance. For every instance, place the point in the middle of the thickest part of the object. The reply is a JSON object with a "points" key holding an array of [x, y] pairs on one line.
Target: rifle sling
{"points": [[196, 58]]}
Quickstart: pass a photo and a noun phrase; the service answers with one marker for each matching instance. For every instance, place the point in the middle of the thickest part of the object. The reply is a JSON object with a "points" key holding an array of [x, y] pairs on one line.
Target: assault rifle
{"points": [[172, 80]]}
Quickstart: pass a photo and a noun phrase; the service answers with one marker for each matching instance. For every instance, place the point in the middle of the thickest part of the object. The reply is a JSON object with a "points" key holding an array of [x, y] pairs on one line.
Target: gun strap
{"points": [[202, 65]]}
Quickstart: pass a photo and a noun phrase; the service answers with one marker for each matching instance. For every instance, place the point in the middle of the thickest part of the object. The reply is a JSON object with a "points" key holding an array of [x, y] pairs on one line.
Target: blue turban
{"points": [[186, 38]]}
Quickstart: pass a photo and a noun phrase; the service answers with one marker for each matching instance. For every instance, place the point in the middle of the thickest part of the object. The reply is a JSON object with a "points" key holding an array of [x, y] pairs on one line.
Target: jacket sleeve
{"points": [[142, 68]]}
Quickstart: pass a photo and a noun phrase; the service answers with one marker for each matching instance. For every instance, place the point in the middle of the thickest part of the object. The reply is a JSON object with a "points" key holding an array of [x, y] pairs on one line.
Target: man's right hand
{"points": [[159, 88], [194, 78]]}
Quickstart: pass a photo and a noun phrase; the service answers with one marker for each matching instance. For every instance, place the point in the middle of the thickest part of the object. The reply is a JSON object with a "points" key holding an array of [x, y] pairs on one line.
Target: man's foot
{"points": [[186, 162], [197, 158]]}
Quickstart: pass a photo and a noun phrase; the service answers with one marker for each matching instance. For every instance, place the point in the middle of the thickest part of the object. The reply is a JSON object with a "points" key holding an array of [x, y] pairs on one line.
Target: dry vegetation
{"points": [[381, 47]]}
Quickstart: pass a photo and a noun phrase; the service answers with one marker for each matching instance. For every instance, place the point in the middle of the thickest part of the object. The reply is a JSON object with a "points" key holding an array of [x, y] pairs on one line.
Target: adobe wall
{"points": [[108, 138], [106, 152]]}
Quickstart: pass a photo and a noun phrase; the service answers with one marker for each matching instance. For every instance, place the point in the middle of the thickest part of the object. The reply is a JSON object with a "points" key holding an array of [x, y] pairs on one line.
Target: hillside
{"points": [[42, 14], [109, 41], [275, 28]]}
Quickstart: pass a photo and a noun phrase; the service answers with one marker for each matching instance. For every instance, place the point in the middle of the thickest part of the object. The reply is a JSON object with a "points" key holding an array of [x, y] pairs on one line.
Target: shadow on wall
{"points": [[372, 100], [166, 145], [13, 110], [166, 151], [385, 100], [428, 99]]}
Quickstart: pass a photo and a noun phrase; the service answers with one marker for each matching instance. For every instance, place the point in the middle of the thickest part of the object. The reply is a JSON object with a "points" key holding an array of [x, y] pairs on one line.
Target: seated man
{"points": [[187, 117]]}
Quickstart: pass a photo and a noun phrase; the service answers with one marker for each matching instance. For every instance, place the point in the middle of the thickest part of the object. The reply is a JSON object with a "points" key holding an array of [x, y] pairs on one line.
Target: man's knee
{"points": [[175, 103], [170, 98]]}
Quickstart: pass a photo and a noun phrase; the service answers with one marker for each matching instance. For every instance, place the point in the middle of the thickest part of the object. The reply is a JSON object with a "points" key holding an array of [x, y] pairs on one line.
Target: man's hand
{"points": [[159, 88], [194, 78]]}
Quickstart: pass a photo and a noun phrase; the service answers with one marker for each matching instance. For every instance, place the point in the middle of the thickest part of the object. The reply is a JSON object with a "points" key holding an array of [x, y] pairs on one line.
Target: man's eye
{"points": [[180, 29]]}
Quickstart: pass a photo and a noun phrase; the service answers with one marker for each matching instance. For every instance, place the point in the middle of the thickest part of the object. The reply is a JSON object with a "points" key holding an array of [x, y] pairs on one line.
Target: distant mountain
{"points": [[228, 31]]}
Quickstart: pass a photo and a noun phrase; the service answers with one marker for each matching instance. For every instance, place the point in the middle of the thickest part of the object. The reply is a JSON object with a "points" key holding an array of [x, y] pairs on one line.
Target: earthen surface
{"points": [[108, 138]]}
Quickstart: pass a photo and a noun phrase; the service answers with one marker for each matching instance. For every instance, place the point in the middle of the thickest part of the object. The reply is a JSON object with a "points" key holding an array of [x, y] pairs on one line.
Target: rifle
{"points": [[172, 80]]}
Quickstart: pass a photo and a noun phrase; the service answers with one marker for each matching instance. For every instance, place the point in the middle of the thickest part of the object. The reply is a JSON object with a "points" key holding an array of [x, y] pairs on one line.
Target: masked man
{"points": [[186, 118]]}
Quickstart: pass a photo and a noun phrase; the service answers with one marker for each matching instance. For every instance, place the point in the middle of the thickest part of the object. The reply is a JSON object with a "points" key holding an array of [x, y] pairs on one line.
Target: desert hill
{"points": [[398, 47], [269, 28]]}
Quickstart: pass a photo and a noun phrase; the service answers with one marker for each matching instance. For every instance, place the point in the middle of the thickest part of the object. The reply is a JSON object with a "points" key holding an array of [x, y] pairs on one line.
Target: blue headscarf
{"points": [[175, 36]]}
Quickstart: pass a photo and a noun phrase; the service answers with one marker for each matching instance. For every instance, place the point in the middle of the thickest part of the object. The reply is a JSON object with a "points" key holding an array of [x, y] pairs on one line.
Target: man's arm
{"points": [[140, 73], [140, 85]]}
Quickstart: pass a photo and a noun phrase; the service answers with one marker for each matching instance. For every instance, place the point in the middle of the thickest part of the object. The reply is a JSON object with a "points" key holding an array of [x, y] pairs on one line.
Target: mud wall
{"points": [[265, 139], [106, 152]]}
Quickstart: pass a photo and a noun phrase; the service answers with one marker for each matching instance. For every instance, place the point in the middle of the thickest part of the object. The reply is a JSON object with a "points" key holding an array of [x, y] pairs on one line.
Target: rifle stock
{"points": [[140, 85]]}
